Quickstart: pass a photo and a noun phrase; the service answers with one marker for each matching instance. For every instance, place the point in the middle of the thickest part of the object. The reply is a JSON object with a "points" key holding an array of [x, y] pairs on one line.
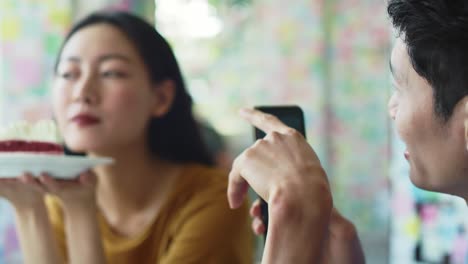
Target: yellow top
{"points": [[195, 225]]}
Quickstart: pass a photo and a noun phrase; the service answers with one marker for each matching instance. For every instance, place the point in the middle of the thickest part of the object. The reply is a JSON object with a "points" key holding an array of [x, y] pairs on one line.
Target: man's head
{"points": [[430, 69]]}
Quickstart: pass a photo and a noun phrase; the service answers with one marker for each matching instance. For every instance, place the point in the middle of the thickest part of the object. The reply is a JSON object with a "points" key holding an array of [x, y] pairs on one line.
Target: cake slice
{"points": [[39, 138]]}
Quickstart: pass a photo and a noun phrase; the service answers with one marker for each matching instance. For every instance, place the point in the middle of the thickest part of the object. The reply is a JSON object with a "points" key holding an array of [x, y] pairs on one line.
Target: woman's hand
{"points": [[80, 191], [24, 192], [78, 198], [37, 240], [27, 190]]}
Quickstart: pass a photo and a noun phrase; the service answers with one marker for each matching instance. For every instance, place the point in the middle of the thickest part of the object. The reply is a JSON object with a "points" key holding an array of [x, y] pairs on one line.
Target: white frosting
{"points": [[43, 130]]}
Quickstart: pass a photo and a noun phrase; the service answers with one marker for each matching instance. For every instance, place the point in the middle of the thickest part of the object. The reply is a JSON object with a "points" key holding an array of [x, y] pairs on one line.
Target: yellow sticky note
{"points": [[6, 5], [412, 227], [51, 3], [60, 18], [10, 28]]}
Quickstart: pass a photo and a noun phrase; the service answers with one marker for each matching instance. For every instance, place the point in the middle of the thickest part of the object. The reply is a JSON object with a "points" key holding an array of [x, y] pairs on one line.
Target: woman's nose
{"points": [[85, 90]]}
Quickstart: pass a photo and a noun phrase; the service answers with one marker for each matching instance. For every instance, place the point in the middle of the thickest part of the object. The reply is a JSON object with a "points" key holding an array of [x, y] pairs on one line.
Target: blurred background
{"points": [[328, 56]]}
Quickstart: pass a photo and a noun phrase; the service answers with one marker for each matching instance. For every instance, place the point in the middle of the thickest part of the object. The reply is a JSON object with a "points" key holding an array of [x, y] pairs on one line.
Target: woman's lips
{"points": [[84, 120]]}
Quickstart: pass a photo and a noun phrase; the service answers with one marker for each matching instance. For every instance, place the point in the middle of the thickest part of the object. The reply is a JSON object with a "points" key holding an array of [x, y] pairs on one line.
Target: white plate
{"points": [[58, 166]]}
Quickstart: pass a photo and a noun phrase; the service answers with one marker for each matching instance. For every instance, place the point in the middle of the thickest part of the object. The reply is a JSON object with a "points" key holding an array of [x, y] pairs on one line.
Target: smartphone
{"points": [[291, 116]]}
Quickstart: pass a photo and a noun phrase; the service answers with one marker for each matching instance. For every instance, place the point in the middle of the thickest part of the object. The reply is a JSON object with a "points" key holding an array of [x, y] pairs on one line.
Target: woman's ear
{"points": [[164, 94]]}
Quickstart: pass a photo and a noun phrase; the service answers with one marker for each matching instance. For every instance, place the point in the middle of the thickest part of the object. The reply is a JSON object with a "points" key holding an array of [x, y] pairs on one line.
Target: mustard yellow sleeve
{"points": [[56, 219], [211, 233]]}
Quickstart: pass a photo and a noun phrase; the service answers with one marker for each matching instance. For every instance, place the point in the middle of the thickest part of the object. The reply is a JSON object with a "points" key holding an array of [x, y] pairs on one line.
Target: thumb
{"points": [[340, 227], [88, 178]]}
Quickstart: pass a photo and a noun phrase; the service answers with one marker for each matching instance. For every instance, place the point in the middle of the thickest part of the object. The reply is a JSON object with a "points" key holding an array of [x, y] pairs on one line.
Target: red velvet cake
{"points": [[41, 138]]}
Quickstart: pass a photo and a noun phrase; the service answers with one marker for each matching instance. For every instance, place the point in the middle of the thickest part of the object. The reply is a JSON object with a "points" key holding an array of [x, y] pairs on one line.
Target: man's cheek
{"points": [[466, 133], [402, 128]]}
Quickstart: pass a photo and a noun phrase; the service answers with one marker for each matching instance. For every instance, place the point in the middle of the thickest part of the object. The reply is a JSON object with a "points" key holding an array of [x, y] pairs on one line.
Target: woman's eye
{"points": [[113, 74]]}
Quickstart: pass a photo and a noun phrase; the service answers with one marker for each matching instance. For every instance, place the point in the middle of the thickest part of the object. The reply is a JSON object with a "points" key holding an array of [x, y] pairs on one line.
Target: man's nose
{"points": [[392, 107]]}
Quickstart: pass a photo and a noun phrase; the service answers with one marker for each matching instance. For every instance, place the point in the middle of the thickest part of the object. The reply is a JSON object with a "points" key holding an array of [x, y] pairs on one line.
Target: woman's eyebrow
{"points": [[114, 56], [106, 57]]}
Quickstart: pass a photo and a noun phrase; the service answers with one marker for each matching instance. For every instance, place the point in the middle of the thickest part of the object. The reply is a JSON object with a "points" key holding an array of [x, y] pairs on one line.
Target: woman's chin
{"points": [[80, 147]]}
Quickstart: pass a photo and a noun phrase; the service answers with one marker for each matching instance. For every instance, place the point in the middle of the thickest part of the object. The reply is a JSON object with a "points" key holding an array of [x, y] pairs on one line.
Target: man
{"points": [[429, 64]]}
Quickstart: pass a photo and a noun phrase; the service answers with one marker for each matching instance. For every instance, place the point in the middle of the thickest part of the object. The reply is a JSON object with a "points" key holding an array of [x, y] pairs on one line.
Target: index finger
{"points": [[266, 122]]}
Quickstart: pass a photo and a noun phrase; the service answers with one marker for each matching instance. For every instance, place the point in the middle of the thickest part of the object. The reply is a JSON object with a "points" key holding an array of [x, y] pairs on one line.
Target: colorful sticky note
{"points": [[10, 28], [59, 18], [412, 227]]}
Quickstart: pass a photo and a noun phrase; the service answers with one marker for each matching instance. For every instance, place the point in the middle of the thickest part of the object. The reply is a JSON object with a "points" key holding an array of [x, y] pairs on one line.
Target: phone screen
{"points": [[291, 116], [290, 119]]}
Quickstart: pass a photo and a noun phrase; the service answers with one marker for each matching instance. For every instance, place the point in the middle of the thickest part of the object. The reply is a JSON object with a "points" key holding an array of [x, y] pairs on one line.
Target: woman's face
{"points": [[102, 94]]}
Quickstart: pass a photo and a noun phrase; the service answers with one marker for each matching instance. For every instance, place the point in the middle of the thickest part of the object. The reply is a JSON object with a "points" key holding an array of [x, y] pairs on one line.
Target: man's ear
{"points": [[466, 120], [164, 95]]}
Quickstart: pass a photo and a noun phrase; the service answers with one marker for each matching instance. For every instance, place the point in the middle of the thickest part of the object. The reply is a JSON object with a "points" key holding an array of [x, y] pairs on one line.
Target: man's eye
{"points": [[67, 75], [395, 87]]}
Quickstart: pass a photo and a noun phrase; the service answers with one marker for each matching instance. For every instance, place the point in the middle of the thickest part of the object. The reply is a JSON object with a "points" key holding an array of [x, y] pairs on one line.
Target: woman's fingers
{"points": [[87, 178], [28, 178], [50, 183]]}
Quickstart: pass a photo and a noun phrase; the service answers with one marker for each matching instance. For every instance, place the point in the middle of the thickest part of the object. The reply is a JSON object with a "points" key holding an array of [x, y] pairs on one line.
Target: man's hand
{"points": [[285, 171], [282, 159], [342, 245]]}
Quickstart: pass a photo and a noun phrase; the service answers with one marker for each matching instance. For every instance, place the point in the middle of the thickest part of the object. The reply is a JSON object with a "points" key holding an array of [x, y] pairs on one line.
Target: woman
{"points": [[118, 92]]}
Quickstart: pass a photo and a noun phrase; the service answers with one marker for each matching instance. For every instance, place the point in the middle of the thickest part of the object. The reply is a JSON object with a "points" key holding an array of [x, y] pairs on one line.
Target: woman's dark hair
{"points": [[436, 36], [176, 135]]}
